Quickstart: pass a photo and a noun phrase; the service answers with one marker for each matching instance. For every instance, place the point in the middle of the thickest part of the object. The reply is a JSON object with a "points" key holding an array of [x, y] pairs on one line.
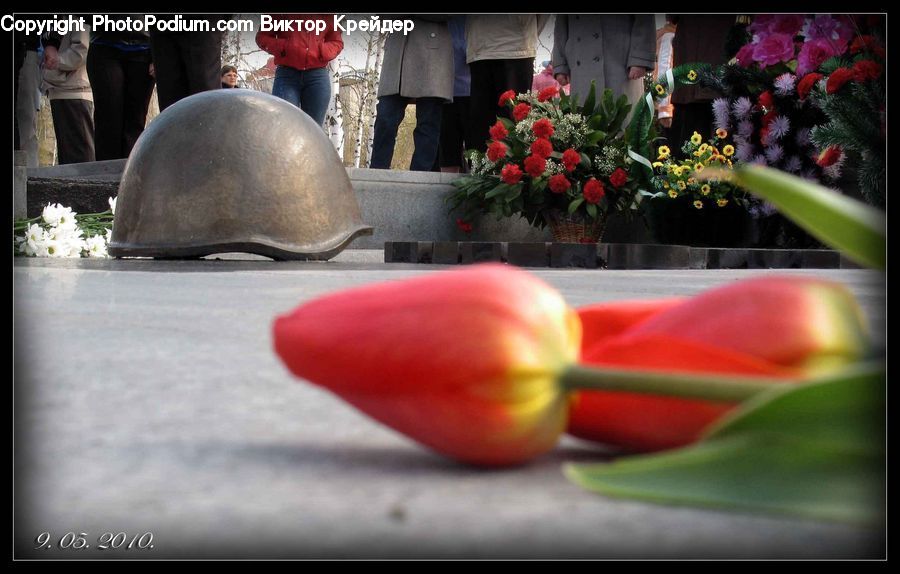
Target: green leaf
{"points": [[592, 210], [500, 189], [839, 221], [814, 450], [590, 101], [585, 161], [576, 203], [514, 192], [594, 137]]}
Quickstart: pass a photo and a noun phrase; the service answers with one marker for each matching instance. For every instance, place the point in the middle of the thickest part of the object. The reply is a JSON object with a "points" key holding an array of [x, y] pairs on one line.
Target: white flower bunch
{"points": [[57, 233]]}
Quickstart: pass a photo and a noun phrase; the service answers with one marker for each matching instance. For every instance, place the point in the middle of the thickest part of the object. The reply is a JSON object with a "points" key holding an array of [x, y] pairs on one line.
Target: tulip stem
{"points": [[723, 388]]}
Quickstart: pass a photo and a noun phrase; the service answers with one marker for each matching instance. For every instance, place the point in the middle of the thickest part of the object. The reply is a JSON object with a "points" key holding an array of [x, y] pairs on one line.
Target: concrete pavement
{"points": [[148, 399]]}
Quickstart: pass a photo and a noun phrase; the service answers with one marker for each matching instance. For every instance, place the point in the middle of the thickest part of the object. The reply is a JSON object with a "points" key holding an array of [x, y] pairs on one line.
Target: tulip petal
{"points": [[465, 361], [604, 320]]}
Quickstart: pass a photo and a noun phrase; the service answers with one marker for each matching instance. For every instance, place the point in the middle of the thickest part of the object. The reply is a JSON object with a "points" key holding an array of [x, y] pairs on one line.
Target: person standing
{"points": [[120, 68], [614, 51], [302, 57], [229, 76], [456, 133], [419, 67], [187, 62], [500, 51], [27, 94], [71, 101]]}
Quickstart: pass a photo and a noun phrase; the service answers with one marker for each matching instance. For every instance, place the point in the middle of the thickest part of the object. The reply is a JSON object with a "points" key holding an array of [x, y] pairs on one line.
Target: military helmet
{"points": [[234, 170]]}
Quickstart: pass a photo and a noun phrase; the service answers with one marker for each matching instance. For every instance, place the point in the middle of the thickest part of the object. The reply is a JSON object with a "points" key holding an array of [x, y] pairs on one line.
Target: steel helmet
{"points": [[234, 170]]}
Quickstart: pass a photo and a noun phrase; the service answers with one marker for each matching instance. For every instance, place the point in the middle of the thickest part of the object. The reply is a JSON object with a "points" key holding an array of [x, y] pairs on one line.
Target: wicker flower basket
{"points": [[574, 228]]}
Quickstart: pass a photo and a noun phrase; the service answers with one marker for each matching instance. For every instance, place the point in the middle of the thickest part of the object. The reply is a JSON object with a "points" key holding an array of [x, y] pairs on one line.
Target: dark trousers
{"points": [[456, 132], [73, 125], [186, 63], [122, 87], [426, 137], [490, 78]]}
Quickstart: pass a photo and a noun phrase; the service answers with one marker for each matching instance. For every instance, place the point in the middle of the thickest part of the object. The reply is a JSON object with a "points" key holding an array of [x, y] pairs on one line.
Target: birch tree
{"points": [[374, 75]]}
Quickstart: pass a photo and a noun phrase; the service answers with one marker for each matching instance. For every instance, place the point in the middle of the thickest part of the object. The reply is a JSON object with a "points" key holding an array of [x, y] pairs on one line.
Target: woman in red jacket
{"points": [[302, 56]]}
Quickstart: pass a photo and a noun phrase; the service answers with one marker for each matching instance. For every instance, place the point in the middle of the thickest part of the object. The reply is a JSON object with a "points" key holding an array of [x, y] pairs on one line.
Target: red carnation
{"points": [[618, 177], [548, 93], [534, 165], [868, 43], [496, 151], [866, 70], [506, 96], [559, 184], [571, 159], [829, 156], [766, 100], [464, 225], [593, 191], [806, 84], [542, 148], [542, 128], [511, 174], [837, 79], [498, 131], [521, 111]]}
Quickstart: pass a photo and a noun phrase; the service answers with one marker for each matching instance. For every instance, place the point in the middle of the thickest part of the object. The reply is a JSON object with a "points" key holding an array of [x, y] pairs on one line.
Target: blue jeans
{"points": [[426, 136], [309, 90]]}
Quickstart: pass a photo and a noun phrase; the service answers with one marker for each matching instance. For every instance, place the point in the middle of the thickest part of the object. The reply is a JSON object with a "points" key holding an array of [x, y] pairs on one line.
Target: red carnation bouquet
{"points": [[555, 162]]}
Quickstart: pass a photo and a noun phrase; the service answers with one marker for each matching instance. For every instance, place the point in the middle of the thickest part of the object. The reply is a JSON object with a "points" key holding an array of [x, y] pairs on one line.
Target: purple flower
{"points": [[779, 127], [784, 84], [759, 159], [741, 107], [760, 25], [793, 164], [721, 113], [774, 49], [825, 27], [774, 153], [745, 129], [813, 53], [789, 24], [744, 153], [802, 137], [762, 209]]}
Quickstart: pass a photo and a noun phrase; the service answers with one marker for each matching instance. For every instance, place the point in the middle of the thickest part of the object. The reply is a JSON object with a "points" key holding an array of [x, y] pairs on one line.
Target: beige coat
{"points": [[419, 65], [503, 36], [70, 80]]}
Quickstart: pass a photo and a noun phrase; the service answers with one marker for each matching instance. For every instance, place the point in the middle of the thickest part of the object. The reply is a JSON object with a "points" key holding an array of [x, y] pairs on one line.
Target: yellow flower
{"points": [[721, 134], [728, 150], [663, 151], [698, 204], [666, 184], [729, 163], [699, 167], [660, 90], [705, 189], [718, 158], [673, 194], [681, 185], [698, 153], [691, 181], [677, 171], [703, 148], [692, 75], [657, 164], [696, 138], [722, 202]]}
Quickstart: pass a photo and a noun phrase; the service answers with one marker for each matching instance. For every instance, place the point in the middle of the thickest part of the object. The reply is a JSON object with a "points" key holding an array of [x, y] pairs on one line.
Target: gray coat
{"points": [[601, 47], [419, 65]]}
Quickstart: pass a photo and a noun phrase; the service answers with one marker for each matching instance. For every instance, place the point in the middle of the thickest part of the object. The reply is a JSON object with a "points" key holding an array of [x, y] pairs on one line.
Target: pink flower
{"points": [[812, 54], [745, 56], [774, 49]]}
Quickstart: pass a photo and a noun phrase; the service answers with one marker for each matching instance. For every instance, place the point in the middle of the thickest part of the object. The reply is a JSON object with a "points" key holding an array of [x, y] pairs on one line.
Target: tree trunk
{"points": [[374, 75]]}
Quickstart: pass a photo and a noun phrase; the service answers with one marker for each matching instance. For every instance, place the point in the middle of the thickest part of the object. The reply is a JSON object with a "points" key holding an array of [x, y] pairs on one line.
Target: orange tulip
{"points": [[466, 362], [783, 327]]}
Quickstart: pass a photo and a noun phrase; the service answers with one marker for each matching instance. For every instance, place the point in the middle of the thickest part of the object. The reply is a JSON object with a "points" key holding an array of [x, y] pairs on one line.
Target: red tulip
{"points": [[784, 327], [466, 362]]}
